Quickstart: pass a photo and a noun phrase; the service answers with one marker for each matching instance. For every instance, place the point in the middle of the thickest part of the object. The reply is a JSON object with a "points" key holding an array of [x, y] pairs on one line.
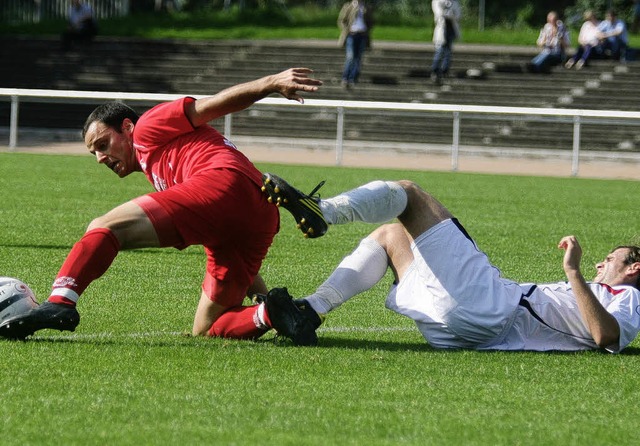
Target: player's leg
{"points": [[387, 246], [422, 212], [236, 224], [126, 226], [220, 312], [229, 278], [257, 287], [277, 311], [237, 322], [375, 202]]}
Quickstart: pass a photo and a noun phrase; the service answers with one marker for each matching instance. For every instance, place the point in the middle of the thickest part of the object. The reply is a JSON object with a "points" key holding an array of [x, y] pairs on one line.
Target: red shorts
{"points": [[228, 214]]}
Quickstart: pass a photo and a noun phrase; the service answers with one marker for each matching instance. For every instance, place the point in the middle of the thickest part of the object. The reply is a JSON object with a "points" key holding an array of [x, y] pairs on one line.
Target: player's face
{"points": [[613, 269], [111, 148]]}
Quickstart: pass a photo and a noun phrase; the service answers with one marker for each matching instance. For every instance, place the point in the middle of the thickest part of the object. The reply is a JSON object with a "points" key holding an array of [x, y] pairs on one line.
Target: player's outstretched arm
{"points": [[603, 326], [288, 83]]}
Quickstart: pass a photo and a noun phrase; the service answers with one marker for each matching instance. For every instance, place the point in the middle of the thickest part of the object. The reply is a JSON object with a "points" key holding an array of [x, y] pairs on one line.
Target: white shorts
{"points": [[453, 293]]}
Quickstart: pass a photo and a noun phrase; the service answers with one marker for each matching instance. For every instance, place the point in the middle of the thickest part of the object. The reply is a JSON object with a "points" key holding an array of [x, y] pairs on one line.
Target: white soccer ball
{"points": [[15, 298]]}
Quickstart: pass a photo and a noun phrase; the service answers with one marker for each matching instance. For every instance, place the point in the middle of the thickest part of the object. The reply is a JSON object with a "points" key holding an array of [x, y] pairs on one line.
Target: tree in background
{"points": [[509, 13], [623, 7]]}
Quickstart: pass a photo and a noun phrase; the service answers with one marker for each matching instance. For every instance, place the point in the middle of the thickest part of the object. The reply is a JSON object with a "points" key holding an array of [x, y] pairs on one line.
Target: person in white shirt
{"points": [[588, 39], [448, 286], [446, 15], [553, 41], [81, 24]]}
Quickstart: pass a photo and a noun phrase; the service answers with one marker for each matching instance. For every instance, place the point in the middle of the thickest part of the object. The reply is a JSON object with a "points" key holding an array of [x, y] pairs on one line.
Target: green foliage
{"points": [[525, 15], [622, 7], [258, 18], [301, 23], [129, 377]]}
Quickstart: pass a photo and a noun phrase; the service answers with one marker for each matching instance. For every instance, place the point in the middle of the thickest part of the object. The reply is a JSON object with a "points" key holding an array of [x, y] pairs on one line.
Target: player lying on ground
{"points": [[208, 193], [448, 286]]}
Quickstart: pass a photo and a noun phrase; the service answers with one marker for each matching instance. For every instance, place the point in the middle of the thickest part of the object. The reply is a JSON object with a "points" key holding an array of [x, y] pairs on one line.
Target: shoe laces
{"points": [[313, 193]]}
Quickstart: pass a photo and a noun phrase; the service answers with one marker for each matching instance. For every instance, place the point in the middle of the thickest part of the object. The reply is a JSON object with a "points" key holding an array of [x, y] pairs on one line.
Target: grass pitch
{"points": [[129, 376]]}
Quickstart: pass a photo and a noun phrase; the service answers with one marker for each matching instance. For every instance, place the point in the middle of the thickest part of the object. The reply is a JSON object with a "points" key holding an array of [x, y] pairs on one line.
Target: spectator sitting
{"points": [[613, 36], [587, 40], [81, 24], [554, 40]]}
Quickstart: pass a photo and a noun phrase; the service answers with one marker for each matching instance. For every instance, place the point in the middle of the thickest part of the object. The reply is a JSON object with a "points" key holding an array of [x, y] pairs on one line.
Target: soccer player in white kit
{"points": [[456, 297]]}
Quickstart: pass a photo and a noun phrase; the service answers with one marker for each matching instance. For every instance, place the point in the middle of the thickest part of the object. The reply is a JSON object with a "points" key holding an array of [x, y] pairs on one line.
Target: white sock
{"points": [[357, 272], [375, 202], [258, 318]]}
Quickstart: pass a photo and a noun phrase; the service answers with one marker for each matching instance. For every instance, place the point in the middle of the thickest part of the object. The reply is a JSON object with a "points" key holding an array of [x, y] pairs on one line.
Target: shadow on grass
{"points": [[633, 351], [115, 340], [68, 247], [364, 344], [186, 340], [34, 246], [393, 346]]}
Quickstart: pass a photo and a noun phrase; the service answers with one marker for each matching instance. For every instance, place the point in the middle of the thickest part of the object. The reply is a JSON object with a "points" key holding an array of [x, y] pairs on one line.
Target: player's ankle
{"points": [[61, 300]]}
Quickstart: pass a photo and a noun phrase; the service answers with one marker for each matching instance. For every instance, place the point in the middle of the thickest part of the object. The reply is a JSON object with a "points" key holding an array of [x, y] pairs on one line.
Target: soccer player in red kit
{"points": [[207, 193]]}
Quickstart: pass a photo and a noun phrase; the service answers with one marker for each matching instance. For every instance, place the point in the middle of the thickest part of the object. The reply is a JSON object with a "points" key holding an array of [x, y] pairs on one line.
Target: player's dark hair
{"points": [[633, 256], [111, 114]]}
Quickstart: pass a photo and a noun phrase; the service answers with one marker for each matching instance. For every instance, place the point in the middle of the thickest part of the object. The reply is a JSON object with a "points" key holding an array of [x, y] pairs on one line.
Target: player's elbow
{"points": [[606, 338], [604, 342]]}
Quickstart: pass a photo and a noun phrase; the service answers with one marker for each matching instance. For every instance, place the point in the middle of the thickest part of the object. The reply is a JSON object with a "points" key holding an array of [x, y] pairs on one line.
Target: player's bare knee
{"points": [[412, 190], [99, 223], [387, 235], [423, 209], [105, 222], [407, 184], [201, 326], [132, 230], [200, 331]]}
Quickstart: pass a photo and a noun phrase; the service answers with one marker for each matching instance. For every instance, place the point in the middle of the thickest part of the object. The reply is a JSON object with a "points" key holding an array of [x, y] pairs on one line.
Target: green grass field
{"points": [[129, 375]]}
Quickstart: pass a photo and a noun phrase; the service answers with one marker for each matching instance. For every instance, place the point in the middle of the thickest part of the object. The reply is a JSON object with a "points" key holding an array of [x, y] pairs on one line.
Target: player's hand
{"points": [[572, 255], [289, 82]]}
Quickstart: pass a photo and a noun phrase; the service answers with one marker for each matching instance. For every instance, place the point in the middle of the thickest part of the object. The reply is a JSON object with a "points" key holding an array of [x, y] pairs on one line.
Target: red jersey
{"points": [[170, 150]]}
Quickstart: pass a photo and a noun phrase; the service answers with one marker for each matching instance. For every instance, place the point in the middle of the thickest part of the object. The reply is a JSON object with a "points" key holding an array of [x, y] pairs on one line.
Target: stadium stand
{"points": [[396, 72]]}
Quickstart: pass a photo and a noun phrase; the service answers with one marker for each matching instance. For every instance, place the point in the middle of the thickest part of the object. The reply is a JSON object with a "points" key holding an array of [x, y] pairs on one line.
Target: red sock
{"points": [[239, 323], [61, 300], [88, 260]]}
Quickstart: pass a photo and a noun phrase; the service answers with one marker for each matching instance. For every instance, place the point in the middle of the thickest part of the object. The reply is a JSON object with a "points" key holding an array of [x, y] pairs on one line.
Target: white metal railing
{"points": [[576, 116]]}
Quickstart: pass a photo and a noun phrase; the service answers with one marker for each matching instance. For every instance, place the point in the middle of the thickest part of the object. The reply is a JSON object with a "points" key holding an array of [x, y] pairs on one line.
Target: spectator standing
{"points": [[553, 40], [355, 22], [81, 24], [613, 36], [446, 15], [588, 39]]}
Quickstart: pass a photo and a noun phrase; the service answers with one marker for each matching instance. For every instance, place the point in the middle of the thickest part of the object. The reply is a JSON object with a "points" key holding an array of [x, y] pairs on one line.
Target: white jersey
{"points": [[548, 318], [458, 299]]}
